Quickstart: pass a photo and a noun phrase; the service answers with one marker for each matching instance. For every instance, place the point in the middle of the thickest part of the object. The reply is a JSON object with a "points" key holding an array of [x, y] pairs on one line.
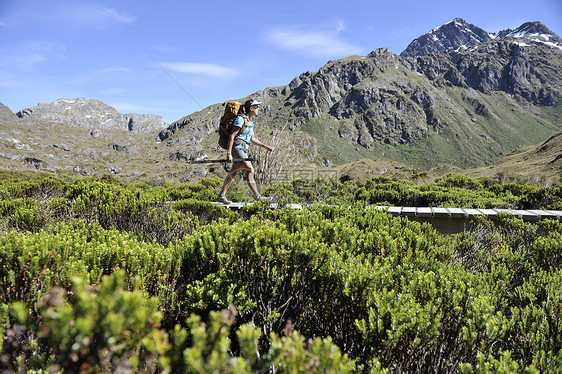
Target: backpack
{"points": [[231, 111]]}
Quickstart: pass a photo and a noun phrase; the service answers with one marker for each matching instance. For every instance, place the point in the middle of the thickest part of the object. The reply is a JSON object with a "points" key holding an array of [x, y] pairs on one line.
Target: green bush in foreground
{"points": [[109, 329]]}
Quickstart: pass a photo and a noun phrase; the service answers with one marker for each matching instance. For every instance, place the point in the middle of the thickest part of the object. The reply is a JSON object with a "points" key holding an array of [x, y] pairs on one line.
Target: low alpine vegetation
{"points": [[103, 277]]}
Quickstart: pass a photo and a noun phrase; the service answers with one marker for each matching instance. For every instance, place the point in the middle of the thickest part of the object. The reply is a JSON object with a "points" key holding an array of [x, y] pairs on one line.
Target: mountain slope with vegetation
{"points": [[538, 163]]}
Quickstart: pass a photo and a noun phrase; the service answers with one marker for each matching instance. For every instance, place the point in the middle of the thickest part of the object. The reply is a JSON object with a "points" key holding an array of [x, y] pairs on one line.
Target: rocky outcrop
{"points": [[365, 92], [144, 123], [92, 114], [6, 114], [531, 72]]}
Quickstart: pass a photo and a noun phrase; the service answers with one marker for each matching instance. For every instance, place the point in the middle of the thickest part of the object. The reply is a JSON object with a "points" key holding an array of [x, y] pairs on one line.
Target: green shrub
{"points": [[99, 329]]}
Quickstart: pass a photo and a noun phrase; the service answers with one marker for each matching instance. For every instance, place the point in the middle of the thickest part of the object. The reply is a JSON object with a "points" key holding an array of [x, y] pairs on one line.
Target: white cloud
{"points": [[341, 27], [88, 14], [210, 70], [116, 70], [313, 43], [116, 15]]}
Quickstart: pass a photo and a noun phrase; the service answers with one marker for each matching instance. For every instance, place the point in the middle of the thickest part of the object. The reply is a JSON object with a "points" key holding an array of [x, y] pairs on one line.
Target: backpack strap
{"points": [[237, 142], [245, 122]]}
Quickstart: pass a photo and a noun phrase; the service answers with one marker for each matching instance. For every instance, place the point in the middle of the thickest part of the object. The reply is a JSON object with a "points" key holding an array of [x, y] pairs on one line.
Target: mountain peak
{"points": [[454, 35], [458, 34], [532, 32], [534, 27]]}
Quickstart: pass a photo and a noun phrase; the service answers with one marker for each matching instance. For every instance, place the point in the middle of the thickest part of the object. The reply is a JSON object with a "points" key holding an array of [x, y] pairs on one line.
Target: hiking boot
{"points": [[223, 200], [261, 198]]}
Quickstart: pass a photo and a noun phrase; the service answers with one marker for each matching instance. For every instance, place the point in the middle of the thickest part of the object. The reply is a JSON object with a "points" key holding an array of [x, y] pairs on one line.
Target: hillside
{"points": [[537, 163]]}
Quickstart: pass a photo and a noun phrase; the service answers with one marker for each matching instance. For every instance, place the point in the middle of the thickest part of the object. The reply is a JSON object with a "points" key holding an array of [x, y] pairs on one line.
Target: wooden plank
{"points": [[490, 213], [457, 213], [528, 216], [424, 212], [557, 213], [472, 212], [441, 213], [409, 211], [395, 210], [544, 214]]}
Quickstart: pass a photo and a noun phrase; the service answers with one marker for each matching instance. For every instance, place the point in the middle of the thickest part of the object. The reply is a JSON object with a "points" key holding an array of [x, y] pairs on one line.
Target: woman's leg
{"points": [[230, 177], [251, 181]]}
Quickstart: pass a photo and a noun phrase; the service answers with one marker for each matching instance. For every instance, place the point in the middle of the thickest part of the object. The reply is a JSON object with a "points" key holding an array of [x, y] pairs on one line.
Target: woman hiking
{"points": [[240, 138]]}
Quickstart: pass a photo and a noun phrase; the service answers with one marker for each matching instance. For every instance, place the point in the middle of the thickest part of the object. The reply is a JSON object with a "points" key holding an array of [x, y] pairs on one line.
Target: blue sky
{"points": [[173, 57]]}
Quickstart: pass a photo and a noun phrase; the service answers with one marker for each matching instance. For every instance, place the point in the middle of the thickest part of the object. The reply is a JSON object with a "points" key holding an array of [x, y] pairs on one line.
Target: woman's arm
{"points": [[233, 134], [260, 144]]}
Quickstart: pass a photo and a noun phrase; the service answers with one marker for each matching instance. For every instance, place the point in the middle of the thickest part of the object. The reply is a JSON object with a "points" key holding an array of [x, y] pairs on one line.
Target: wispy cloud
{"points": [[341, 27], [209, 70], [116, 15], [89, 14], [313, 43], [116, 70]]}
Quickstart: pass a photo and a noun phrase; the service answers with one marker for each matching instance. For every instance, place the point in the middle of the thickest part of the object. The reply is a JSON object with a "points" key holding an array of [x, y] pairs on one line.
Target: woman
{"points": [[240, 138]]}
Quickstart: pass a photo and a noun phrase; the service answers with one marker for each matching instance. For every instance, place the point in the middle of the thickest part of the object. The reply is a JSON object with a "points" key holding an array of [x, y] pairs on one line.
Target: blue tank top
{"points": [[243, 139]]}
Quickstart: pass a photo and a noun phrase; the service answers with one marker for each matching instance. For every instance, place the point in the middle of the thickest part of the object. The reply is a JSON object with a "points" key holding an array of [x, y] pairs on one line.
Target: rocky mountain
{"points": [[453, 36], [466, 106], [80, 137], [532, 32], [459, 35], [92, 114]]}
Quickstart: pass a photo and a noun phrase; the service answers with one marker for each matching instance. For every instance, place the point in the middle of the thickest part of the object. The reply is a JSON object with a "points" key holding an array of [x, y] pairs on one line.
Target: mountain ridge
{"points": [[93, 113], [468, 107], [458, 35]]}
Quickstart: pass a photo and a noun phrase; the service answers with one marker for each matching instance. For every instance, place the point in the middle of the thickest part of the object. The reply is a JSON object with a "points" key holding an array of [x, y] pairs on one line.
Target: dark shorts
{"points": [[239, 152]]}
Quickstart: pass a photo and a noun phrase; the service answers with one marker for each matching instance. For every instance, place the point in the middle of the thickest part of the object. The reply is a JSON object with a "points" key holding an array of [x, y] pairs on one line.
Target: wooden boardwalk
{"points": [[446, 220], [455, 220]]}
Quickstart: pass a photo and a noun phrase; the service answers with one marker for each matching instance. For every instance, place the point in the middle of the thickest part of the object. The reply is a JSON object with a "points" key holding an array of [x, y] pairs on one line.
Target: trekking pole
{"points": [[221, 160]]}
